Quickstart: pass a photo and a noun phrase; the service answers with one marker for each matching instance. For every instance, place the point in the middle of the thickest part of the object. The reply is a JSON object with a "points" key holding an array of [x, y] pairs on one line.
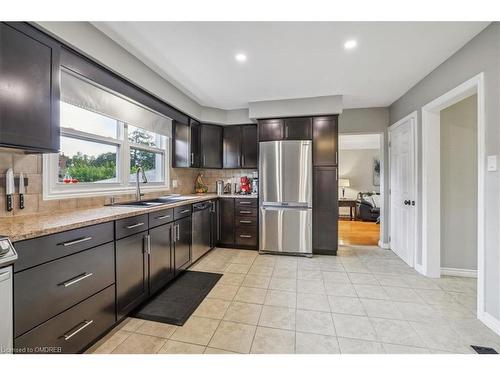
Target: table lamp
{"points": [[343, 183]]}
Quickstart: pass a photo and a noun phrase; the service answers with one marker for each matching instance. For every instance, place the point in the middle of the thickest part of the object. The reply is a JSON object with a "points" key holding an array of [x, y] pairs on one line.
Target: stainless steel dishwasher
{"points": [[201, 229]]}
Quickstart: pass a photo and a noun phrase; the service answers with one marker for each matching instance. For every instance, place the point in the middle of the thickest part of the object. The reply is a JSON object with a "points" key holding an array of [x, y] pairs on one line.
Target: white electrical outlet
{"points": [[174, 183], [492, 163]]}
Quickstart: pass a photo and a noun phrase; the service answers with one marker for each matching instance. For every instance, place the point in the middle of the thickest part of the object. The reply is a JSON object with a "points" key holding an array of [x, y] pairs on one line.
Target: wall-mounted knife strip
{"points": [[16, 182]]}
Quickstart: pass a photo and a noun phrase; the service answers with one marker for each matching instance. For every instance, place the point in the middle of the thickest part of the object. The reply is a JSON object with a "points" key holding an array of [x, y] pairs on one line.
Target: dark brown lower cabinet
{"points": [[325, 210], [74, 329], [161, 269], [131, 273], [238, 223], [182, 244], [226, 212]]}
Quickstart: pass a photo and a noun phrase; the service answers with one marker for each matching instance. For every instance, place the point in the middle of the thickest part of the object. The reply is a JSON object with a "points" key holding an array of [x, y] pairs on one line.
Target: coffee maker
{"points": [[245, 185], [255, 182]]}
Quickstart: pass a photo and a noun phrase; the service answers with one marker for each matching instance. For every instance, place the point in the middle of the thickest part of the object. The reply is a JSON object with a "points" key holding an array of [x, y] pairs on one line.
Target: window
{"points": [[100, 153]]}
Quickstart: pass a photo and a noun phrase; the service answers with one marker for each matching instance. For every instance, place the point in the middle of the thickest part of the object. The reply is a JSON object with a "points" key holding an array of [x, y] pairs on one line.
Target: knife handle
{"points": [[9, 202], [21, 201]]}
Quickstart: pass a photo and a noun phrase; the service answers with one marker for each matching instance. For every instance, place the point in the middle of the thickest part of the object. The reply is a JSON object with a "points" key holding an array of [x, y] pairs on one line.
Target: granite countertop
{"points": [[24, 227], [251, 196]]}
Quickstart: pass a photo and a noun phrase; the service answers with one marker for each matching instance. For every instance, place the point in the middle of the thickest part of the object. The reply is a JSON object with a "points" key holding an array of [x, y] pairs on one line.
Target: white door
{"points": [[402, 190]]}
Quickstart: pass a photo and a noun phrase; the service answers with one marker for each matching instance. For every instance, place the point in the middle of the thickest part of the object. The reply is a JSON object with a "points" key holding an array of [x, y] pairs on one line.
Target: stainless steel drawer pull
{"points": [[74, 242], [134, 225], [246, 221], [245, 212], [245, 236], [162, 217], [245, 203], [78, 329], [77, 279], [184, 211]]}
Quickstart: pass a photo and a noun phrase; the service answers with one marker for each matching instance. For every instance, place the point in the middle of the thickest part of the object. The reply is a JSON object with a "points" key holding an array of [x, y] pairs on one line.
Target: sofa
{"points": [[368, 206]]}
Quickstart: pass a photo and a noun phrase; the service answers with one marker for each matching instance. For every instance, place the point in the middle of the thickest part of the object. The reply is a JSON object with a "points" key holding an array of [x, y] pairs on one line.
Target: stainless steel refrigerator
{"points": [[285, 196]]}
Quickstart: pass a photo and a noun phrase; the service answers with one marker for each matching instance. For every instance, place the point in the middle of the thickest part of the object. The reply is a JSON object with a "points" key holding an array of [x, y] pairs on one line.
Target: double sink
{"points": [[174, 198]]}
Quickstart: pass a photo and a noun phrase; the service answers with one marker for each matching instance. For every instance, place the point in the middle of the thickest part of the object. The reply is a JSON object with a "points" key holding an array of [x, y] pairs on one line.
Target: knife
{"points": [[9, 188], [21, 191]]}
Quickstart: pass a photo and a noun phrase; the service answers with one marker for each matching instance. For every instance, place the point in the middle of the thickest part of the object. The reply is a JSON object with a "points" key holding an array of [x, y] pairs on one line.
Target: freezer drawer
{"points": [[285, 230]]}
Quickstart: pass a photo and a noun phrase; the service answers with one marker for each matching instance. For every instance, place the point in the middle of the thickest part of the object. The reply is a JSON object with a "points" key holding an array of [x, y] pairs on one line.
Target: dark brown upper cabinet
{"points": [[211, 146], [29, 89], [195, 144], [232, 146], [249, 146], [325, 141], [240, 146], [298, 128], [271, 130], [181, 145]]}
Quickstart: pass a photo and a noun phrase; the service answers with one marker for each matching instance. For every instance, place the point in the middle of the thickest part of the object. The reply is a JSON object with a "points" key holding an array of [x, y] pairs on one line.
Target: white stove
{"points": [[8, 256]]}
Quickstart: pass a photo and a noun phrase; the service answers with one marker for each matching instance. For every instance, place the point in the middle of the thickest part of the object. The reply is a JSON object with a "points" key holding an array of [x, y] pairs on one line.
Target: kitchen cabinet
{"points": [[238, 222], [195, 144], [211, 146], [29, 89], [325, 210], [182, 244], [271, 130], [214, 223], [325, 141], [249, 146], [232, 146], [298, 128], [226, 213], [181, 145], [160, 259], [131, 272]]}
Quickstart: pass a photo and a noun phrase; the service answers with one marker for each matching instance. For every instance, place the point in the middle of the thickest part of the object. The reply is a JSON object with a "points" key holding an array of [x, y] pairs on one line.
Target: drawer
{"points": [[131, 225], [245, 203], [244, 221], [182, 211], [44, 249], [73, 330], [245, 211], [161, 217], [246, 236], [44, 291]]}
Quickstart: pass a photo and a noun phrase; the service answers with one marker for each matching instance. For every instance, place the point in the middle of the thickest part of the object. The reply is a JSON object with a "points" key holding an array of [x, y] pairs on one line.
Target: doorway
{"points": [[359, 189]]}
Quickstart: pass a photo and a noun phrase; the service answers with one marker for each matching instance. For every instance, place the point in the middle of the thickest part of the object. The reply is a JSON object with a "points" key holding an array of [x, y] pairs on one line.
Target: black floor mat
{"points": [[176, 303], [483, 349]]}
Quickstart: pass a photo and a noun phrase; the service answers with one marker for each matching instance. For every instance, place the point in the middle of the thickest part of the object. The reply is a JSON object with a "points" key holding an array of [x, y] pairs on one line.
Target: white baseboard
{"points": [[384, 245], [490, 321], [458, 272]]}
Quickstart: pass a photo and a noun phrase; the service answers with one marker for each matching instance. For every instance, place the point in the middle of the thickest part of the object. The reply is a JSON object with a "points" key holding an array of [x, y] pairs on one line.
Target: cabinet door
{"points": [[325, 139], [232, 146], [182, 244], [214, 223], [181, 146], [226, 221], [131, 273], [271, 130], [249, 146], [29, 89], [195, 154], [298, 128], [161, 270], [325, 210], [211, 146]]}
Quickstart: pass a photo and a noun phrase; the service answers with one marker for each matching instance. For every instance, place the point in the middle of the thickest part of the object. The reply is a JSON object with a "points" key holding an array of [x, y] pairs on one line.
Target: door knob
{"points": [[407, 202]]}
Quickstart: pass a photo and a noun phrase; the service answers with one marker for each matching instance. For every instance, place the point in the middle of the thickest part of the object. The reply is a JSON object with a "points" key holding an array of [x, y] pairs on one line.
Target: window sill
{"points": [[99, 191]]}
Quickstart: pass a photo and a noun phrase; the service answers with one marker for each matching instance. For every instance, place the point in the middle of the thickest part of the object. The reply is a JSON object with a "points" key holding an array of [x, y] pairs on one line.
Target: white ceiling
{"points": [[292, 59], [359, 141]]}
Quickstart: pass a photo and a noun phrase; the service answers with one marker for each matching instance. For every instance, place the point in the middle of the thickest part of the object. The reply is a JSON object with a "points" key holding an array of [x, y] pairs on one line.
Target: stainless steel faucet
{"points": [[138, 194]]}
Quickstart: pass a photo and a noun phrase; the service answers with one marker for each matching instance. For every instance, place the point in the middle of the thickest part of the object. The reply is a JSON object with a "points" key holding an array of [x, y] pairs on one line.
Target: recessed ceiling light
{"points": [[241, 57], [350, 44]]}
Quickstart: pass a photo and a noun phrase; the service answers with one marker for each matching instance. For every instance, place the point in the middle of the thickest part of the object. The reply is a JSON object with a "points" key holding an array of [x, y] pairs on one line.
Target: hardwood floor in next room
{"points": [[358, 233]]}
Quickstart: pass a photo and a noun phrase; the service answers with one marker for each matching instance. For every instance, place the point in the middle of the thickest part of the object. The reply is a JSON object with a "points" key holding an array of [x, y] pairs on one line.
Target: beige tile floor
{"points": [[365, 300]]}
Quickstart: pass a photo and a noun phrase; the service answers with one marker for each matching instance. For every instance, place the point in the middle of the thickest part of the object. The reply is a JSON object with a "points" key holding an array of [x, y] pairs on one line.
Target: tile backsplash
{"points": [[31, 166]]}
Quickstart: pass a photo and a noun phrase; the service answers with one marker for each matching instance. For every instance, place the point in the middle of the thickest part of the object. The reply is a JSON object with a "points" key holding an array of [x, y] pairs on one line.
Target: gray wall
{"points": [[371, 120], [481, 54], [458, 187]]}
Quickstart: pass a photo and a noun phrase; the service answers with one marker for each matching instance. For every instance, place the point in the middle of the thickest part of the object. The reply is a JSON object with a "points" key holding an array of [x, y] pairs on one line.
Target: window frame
{"points": [[53, 189]]}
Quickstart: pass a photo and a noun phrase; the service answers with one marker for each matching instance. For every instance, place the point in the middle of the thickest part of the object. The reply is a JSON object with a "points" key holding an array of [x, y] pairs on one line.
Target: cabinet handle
{"points": [[173, 234], [185, 211], [245, 236], [147, 244], [245, 212], [74, 242], [68, 335], [336, 174], [336, 157], [178, 233], [213, 207], [203, 160], [77, 279], [162, 217], [192, 158], [134, 225], [246, 221], [286, 131], [245, 203], [242, 160]]}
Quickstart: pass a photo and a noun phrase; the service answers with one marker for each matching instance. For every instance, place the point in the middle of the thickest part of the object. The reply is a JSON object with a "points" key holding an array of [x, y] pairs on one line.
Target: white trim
{"points": [[490, 321], [414, 117], [460, 272], [384, 245], [431, 242]]}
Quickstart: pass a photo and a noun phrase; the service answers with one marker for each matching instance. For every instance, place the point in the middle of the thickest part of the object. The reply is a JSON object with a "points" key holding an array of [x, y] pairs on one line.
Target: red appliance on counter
{"points": [[245, 185]]}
